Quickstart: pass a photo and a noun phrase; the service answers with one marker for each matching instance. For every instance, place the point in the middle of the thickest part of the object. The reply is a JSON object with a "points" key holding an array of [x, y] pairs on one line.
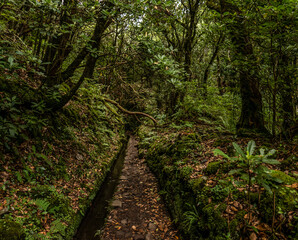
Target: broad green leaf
{"points": [[267, 188], [245, 177], [276, 179], [239, 150], [221, 153], [251, 147], [10, 60], [271, 152], [235, 171], [12, 132], [33, 149], [271, 161]]}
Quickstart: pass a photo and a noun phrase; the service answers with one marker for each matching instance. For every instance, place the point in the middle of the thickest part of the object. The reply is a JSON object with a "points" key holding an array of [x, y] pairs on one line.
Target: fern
{"points": [[191, 218], [42, 204], [19, 177], [58, 227]]}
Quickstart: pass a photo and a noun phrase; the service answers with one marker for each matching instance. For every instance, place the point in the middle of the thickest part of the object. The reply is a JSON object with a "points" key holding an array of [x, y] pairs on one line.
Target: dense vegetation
{"points": [[71, 70]]}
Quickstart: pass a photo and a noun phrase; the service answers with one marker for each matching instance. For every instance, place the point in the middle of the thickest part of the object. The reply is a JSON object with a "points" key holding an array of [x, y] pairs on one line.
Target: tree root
{"points": [[129, 112]]}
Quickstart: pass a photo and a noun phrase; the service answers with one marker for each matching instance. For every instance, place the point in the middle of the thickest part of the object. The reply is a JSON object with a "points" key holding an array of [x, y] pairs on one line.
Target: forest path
{"points": [[138, 212]]}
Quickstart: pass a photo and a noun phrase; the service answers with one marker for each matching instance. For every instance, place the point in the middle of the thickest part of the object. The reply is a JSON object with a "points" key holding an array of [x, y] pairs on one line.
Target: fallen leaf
{"points": [[234, 209], [253, 236], [263, 227]]}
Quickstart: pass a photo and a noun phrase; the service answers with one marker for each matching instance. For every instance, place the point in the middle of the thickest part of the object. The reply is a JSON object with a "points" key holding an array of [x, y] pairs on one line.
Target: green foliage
{"points": [[220, 192], [252, 168], [213, 167], [42, 205], [191, 218], [9, 127], [58, 227], [50, 201], [16, 124], [286, 179]]}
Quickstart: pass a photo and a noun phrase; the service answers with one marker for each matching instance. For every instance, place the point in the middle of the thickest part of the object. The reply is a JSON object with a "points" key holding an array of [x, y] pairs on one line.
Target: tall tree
{"points": [[251, 98]]}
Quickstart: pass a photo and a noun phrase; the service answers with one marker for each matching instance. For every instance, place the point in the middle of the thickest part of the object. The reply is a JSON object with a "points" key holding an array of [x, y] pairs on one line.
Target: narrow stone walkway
{"points": [[138, 212]]}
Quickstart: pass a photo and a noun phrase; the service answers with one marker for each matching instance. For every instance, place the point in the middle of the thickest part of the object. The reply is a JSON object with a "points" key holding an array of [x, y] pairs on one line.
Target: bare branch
{"points": [[129, 112]]}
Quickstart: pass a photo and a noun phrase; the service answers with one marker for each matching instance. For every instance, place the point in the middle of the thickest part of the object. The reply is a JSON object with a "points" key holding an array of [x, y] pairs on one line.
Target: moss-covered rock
{"points": [[10, 230], [286, 179], [212, 225], [183, 146], [198, 183], [196, 208], [213, 167]]}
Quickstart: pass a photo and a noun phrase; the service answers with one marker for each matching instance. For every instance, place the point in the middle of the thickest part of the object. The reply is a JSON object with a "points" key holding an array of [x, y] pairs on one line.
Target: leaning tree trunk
{"points": [[59, 46], [102, 23]]}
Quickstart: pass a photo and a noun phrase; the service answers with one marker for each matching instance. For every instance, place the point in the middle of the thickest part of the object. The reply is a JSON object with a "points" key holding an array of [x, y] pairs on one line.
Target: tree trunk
{"points": [[220, 81], [59, 47], [287, 93], [102, 24], [207, 70], [251, 108]]}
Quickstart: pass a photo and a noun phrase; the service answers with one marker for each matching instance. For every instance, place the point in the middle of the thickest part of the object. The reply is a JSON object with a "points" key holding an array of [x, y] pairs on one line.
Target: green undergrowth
{"points": [[52, 164], [201, 194]]}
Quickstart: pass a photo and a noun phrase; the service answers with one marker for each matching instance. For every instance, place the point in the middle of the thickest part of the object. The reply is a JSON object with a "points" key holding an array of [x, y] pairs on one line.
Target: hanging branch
{"points": [[129, 112]]}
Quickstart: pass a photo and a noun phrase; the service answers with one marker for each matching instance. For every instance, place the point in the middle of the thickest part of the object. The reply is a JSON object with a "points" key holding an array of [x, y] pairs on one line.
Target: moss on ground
{"points": [[199, 195], [10, 230], [213, 167], [285, 178], [57, 166]]}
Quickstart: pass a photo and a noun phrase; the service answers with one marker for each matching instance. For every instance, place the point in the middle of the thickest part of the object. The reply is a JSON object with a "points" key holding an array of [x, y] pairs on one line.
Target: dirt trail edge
{"points": [[138, 212]]}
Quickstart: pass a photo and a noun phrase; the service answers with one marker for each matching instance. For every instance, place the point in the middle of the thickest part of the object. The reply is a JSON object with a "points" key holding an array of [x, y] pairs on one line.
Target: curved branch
{"points": [[129, 112]]}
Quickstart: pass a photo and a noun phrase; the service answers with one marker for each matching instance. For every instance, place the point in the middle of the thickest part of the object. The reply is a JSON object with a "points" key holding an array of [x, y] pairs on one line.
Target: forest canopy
{"points": [[230, 60]]}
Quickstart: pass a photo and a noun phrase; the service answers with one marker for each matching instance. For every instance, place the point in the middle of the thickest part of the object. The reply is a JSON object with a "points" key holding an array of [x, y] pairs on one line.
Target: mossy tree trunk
{"points": [[102, 23], [251, 108]]}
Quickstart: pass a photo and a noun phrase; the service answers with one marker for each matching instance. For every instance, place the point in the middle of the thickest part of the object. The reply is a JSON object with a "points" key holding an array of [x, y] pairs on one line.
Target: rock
{"points": [[213, 167], [124, 222], [149, 236], [116, 203], [152, 227]]}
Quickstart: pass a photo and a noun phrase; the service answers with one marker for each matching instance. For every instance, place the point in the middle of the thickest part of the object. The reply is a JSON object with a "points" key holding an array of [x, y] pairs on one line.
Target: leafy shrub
{"points": [[48, 199]]}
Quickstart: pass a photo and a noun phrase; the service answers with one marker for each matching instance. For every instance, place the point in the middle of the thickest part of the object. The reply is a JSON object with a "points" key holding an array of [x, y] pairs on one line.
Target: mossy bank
{"points": [[49, 174], [201, 195]]}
